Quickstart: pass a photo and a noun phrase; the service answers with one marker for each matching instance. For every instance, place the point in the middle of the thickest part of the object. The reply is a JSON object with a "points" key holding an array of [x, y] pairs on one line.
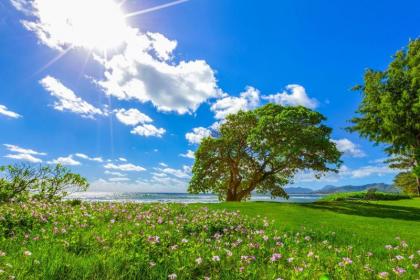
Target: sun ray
{"points": [[54, 60], [156, 8]]}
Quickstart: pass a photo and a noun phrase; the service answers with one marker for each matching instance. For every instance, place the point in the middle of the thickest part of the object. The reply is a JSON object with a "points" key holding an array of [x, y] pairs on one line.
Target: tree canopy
{"points": [[262, 150], [390, 110]]}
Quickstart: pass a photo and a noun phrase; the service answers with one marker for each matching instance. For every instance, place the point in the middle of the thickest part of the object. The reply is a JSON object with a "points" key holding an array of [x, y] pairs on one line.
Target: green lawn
{"points": [[252, 240], [364, 225]]}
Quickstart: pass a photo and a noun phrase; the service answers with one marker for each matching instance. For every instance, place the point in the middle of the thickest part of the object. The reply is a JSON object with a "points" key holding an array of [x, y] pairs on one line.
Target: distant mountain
{"points": [[298, 190], [381, 187]]}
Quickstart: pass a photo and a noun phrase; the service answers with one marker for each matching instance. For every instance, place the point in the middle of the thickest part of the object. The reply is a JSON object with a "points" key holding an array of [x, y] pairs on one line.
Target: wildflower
{"points": [[307, 238], [399, 258], [369, 254], [289, 260], [152, 264], [27, 253], [1, 271], [229, 253], [184, 240], [265, 237], [199, 260], [275, 257], [398, 270], [310, 254], [388, 247], [172, 276], [153, 239], [383, 275], [2, 254], [216, 258]]}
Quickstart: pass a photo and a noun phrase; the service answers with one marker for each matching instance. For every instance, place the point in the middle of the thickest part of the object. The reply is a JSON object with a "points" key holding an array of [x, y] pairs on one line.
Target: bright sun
{"points": [[92, 24]]}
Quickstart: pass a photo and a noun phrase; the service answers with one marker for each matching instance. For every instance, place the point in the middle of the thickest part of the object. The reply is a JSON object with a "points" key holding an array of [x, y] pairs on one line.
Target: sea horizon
{"points": [[179, 197]]}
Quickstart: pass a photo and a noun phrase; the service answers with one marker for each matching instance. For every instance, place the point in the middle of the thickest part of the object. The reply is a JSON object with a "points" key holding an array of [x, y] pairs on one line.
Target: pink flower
{"points": [[383, 275], [398, 270], [275, 257]]}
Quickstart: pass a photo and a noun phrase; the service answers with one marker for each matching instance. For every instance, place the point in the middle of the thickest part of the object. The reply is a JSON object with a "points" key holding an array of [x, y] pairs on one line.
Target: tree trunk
{"points": [[418, 185]]}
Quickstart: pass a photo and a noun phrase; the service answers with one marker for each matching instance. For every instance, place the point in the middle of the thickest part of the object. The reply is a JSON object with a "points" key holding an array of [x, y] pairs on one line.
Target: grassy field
{"points": [[255, 240]]}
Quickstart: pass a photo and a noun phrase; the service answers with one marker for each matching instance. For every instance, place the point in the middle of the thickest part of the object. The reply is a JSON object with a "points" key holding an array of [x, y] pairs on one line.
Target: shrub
{"points": [[21, 181], [365, 195]]}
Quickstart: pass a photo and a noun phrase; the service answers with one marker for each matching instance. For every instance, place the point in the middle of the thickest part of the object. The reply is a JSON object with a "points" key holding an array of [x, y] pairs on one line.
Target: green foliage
{"points": [[366, 195], [41, 240], [20, 182], [390, 109], [262, 150], [406, 181]]}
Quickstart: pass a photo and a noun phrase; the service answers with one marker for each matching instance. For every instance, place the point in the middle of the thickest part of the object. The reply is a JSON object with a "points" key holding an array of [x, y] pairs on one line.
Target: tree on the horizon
{"points": [[390, 110], [262, 150]]}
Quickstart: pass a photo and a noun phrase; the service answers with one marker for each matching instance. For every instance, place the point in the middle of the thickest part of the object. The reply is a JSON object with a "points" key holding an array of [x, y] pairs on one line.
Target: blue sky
{"points": [[121, 92]]}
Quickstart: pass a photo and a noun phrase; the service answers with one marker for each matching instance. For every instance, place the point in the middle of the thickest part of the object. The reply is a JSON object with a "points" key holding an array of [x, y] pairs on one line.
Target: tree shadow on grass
{"points": [[368, 209]]}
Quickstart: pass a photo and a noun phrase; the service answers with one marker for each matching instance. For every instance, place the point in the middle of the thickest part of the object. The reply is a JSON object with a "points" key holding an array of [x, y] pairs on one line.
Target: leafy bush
{"points": [[21, 181], [366, 195]]}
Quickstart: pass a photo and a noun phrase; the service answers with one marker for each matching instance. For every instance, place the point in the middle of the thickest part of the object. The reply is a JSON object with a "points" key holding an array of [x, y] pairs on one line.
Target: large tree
{"points": [[390, 110], [262, 150]]}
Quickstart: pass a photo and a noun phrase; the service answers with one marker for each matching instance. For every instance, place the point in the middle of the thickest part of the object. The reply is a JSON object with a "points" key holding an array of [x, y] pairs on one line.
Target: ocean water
{"points": [[180, 197]]}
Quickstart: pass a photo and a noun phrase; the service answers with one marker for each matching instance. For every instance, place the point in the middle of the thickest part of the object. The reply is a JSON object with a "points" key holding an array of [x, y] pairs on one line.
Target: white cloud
{"points": [[83, 156], [6, 112], [67, 99], [347, 147], [24, 157], [188, 154], [155, 184], [183, 173], [114, 173], [23, 154], [118, 179], [124, 167], [294, 95], [370, 170], [132, 117], [248, 100], [122, 159], [197, 134], [65, 161], [17, 149], [148, 130]]}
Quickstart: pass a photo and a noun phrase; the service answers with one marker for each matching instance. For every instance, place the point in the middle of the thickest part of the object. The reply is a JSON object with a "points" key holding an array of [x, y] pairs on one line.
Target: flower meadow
{"points": [[72, 240]]}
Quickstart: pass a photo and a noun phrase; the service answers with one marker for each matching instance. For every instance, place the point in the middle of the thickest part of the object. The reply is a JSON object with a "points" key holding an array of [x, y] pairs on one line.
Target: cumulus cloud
{"points": [[132, 117], [65, 161], [67, 99], [197, 134], [124, 167], [347, 147], [247, 100], [24, 157], [143, 69], [114, 173], [86, 157], [294, 95], [183, 173], [23, 154], [6, 112], [148, 130], [119, 179], [17, 149], [188, 154], [370, 170]]}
